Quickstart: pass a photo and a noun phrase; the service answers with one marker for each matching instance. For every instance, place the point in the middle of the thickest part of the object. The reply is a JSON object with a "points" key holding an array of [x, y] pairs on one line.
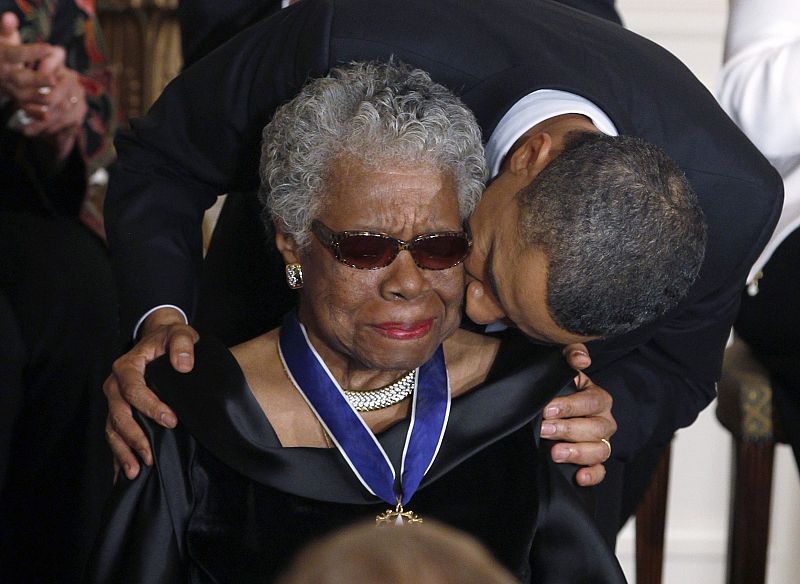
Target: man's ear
{"points": [[532, 155], [286, 245]]}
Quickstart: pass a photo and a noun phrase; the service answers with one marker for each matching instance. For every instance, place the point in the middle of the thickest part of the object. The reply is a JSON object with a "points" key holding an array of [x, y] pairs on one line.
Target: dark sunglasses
{"points": [[366, 250]]}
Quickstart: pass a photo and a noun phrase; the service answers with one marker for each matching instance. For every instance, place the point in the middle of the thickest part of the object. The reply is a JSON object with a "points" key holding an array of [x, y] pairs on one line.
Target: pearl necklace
{"points": [[388, 395]]}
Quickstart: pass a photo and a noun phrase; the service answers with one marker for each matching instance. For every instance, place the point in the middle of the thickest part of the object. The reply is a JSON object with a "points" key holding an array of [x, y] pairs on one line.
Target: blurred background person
{"points": [[58, 310], [760, 89], [430, 553]]}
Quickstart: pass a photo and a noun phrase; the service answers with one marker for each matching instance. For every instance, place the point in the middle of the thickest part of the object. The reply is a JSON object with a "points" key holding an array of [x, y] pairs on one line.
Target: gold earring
{"points": [[294, 276]]}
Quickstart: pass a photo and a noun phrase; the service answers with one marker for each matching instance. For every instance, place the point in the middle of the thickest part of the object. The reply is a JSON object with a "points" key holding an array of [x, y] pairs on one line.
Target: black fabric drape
{"points": [[225, 502]]}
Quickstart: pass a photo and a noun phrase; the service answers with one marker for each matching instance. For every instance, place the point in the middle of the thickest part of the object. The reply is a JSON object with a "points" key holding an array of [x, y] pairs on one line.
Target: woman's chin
{"points": [[397, 354]]}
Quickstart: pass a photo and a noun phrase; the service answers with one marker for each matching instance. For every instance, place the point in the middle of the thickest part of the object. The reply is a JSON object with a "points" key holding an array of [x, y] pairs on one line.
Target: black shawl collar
{"points": [[216, 406]]}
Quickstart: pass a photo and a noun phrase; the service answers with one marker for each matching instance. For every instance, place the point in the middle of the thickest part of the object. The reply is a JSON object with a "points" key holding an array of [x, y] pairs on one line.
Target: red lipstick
{"points": [[405, 331]]}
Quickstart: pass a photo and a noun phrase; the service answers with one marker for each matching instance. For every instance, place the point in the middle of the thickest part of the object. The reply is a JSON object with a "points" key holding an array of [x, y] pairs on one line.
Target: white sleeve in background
{"points": [[760, 81], [760, 89]]}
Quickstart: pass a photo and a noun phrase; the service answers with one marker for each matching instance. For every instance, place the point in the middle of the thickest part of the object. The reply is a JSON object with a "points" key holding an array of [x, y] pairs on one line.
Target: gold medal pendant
{"points": [[397, 517]]}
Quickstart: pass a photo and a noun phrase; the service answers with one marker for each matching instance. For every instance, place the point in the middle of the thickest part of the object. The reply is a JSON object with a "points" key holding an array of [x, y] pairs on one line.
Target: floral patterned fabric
{"points": [[74, 26]]}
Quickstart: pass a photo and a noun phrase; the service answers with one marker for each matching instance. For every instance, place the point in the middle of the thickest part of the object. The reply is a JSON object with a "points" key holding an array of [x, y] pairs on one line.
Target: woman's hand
{"points": [[582, 421], [25, 68], [18, 79], [58, 113], [49, 95], [163, 331]]}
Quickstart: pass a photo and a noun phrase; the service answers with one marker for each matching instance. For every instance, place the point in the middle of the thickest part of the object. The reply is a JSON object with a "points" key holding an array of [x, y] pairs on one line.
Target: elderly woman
{"points": [[369, 401]]}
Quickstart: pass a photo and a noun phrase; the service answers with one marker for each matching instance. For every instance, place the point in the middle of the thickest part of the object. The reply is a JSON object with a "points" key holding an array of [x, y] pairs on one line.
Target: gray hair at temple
{"points": [[622, 230], [379, 114]]}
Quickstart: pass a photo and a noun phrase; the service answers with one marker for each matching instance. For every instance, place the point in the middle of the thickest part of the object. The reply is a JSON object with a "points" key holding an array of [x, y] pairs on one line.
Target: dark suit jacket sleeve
{"points": [[144, 523], [214, 113], [651, 400], [207, 24]]}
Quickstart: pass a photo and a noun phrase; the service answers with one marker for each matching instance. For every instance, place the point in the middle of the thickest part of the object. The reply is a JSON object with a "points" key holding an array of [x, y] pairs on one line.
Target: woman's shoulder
{"points": [[261, 365], [465, 343], [285, 408], [251, 355], [474, 360], [469, 359]]}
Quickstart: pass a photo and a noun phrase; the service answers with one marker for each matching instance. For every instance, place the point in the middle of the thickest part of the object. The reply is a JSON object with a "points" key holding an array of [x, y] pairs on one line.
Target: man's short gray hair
{"points": [[622, 229], [378, 114]]}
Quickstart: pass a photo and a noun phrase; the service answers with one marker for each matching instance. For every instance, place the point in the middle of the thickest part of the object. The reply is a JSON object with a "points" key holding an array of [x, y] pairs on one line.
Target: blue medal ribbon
{"points": [[351, 435]]}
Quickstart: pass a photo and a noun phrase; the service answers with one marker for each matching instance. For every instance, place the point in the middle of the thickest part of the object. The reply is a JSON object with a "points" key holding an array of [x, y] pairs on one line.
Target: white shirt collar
{"points": [[534, 108]]}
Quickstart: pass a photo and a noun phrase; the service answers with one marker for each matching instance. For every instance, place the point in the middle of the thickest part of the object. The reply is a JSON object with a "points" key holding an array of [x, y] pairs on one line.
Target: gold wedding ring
{"points": [[608, 445]]}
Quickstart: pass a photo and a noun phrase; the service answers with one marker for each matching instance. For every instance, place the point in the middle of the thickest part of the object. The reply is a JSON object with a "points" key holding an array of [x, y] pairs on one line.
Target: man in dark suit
{"points": [[201, 139]]}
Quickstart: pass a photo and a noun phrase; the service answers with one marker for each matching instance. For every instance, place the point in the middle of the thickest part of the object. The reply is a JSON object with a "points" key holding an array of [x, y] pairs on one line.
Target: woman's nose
{"points": [[405, 279]]}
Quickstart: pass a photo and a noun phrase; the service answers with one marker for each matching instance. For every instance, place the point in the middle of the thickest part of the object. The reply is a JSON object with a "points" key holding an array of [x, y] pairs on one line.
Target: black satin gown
{"points": [[224, 502]]}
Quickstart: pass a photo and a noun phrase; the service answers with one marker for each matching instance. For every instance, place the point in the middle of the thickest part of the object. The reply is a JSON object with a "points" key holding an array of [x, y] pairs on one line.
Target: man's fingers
{"points": [[123, 456], [137, 394], [578, 429], [577, 356], [590, 475], [118, 412], [584, 420], [591, 401], [121, 425], [582, 453], [127, 382], [181, 347], [126, 387], [128, 378]]}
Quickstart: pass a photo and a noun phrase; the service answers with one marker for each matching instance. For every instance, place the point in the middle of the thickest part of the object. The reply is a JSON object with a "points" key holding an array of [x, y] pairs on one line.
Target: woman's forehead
{"points": [[418, 193]]}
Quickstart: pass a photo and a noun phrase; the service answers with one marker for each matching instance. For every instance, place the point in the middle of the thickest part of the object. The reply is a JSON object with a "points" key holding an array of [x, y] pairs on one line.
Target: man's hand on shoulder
{"points": [[583, 421], [164, 331]]}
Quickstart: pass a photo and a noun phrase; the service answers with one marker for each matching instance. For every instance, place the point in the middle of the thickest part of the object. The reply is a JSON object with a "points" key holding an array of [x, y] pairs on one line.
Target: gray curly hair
{"points": [[375, 113]]}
